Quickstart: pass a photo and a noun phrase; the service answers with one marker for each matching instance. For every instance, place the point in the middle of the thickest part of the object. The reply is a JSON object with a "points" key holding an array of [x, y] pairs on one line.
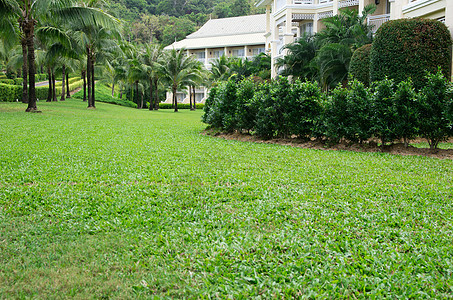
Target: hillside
{"points": [[163, 21]]}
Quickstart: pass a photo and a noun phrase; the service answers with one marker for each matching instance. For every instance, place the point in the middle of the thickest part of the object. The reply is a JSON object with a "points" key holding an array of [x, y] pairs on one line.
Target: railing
{"points": [[377, 21], [303, 2], [325, 1], [347, 3]]}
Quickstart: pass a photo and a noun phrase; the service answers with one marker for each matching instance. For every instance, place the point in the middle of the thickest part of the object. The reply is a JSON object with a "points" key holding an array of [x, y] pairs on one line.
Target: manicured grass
{"points": [[121, 203]]}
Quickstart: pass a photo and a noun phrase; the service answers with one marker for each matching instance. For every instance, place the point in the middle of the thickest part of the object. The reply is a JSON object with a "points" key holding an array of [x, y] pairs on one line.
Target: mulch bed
{"points": [[371, 146]]}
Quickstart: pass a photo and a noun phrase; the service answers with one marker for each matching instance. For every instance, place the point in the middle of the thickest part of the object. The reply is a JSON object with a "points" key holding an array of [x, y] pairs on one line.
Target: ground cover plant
{"points": [[124, 203]]}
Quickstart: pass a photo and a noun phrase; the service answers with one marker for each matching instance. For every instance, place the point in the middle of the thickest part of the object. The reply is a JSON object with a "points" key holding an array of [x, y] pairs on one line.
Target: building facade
{"points": [[286, 20], [242, 37]]}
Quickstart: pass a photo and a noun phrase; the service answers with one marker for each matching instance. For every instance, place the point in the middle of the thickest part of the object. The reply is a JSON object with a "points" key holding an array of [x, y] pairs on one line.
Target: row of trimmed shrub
{"points": [[386, 110], [180, 106], [15, 81], [12, 93]]}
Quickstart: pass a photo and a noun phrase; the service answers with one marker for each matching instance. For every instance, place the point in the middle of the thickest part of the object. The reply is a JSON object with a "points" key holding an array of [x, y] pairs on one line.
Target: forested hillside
{"points": [[164, 21]]}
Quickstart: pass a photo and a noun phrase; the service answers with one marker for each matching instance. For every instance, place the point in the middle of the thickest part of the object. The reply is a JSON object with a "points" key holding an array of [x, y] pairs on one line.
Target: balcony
{"points": [[377, 21]]}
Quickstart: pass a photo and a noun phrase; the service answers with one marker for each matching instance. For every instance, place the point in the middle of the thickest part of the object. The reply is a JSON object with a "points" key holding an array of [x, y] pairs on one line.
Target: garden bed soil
{"points": [[371, 146]]}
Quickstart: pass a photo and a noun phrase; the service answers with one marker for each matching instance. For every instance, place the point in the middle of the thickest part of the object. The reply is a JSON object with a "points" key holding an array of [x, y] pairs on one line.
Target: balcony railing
{"points": [[347, 3], [297, 2], [377, 21]]}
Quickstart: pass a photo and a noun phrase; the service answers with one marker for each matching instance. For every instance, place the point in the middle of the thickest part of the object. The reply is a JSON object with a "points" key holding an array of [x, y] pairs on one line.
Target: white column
{"points": [[361, 6], [335, 7], [246, 51], [225, 50], [315, 23], [206, 56], [268, 18], [288, 34]]}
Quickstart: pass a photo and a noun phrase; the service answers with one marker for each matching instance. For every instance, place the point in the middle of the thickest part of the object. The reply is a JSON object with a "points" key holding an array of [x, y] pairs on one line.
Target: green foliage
{"points": [[246, 108], [7, 81], [18, 81], [103, 95], [383, 110], [347, 113], [335, 115], [408, 48], [326, 56], [359, 67], [180, 106], [435, 104], [405, 101], [10, 93]]}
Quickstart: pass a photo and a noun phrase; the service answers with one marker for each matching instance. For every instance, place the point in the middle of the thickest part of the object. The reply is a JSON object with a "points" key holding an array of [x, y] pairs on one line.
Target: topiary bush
{"points": [[409, 48], [10, 93], [7, 81], [359, 66]]}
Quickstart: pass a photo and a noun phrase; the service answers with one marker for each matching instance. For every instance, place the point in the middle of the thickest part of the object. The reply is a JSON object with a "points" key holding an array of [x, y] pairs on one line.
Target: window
{"points": [[239, 52], [257, 51], [218, 53], [306, 28]]}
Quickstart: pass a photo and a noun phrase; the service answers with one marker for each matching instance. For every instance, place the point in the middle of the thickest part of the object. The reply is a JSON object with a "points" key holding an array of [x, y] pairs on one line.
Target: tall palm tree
{"points": [[98, 43], [152, 60], [178, 71]]}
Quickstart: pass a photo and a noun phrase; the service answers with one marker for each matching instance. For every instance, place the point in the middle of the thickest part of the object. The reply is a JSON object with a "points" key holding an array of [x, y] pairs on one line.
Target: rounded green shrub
{"points": [[359, 67], [410, 48]]}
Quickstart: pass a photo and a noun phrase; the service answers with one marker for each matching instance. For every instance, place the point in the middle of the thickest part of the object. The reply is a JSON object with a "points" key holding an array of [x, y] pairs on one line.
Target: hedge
{"points": [[359, 67], [409, 48], [10, 93], [42, 91], [180, 106], [7, 81], [386, 110]]}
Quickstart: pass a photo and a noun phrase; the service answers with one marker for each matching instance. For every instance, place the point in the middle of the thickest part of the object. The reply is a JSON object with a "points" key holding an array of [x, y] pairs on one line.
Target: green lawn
{"points": [[121, 203]]}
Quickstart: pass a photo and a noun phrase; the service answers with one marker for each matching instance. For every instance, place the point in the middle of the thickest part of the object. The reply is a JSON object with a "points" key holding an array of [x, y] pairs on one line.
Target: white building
{"points": [[239, 36], [288, 19]]}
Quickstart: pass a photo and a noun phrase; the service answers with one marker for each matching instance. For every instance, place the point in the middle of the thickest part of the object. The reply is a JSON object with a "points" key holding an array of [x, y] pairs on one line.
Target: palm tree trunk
{"points": [[63, 84], [54, 93], [89, 78], [151, 92], [121, 91], [29, 36], [175, 101], [136, 95], [68, 92], [49, 93], [157, 95], [24, 72], [93, 84], [113, 89], [194, 102], [84, 77]]}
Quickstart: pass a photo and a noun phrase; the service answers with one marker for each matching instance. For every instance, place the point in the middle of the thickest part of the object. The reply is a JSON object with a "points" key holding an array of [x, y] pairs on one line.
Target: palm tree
{"points": [[30, 12], [297, 61], [178, 71], [151, 58], [98, 44], [220, 69]]}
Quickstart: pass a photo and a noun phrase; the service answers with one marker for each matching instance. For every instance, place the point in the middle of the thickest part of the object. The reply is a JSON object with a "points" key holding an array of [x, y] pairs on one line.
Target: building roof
{"points": [[227, 32]]}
